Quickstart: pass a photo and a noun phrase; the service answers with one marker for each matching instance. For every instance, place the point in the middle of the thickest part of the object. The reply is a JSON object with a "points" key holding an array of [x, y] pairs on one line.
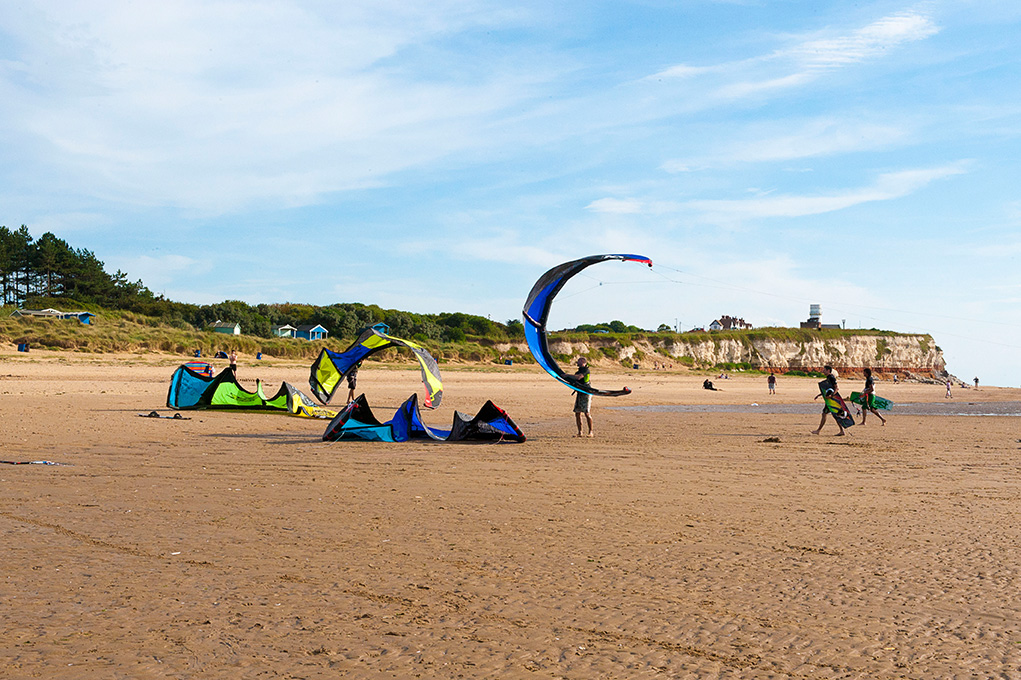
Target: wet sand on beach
{"points": [[674, 544]]}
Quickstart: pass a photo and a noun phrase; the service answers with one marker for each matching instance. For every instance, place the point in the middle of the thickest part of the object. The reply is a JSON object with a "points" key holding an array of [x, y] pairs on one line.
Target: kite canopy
{"points": [[201, 367], [193, 390], [329, 368], [536, 313], [356, 421]]}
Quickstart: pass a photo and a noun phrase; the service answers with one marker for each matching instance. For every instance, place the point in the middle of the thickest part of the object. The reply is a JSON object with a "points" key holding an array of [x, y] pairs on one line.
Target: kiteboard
{"points": [[835, 404], [877, 402], [30, 462], [154, 414]]}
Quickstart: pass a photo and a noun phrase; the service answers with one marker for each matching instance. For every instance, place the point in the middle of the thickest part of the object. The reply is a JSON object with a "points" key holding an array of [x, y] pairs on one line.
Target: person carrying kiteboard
{"points": [[868, 398], [833, 403]]}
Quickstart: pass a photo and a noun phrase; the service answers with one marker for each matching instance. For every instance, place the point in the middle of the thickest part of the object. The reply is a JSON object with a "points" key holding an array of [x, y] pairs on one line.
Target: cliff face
{"points": [[908, 355]]}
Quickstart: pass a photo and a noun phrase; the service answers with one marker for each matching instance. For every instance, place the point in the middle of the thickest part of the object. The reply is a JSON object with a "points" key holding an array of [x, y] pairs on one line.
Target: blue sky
{"points": [[440, 156]]}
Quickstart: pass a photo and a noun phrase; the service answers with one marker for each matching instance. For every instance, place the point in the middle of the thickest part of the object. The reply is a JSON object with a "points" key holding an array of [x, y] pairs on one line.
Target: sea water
{"points": [[955, 408]]}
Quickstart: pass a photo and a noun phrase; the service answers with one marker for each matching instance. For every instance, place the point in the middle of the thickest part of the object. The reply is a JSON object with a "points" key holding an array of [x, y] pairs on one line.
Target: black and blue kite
{"points": [[536, 313]]}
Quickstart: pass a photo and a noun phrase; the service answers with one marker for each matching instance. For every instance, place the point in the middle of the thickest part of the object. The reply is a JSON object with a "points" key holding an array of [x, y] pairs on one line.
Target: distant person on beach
{"points": [[707, 384], [233, 357], [976, 383], [352, 381], [830, 389], [583, 400], [771, 381], [868, 398], [948, 395]]}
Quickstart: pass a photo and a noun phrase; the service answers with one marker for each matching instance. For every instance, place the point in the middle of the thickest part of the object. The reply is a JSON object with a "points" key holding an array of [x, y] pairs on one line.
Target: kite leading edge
{"points": [[536, 313]]}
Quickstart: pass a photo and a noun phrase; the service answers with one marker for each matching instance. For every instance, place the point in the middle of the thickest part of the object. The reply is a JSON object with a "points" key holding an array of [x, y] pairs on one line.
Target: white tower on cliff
{"points": [[814, 313]]}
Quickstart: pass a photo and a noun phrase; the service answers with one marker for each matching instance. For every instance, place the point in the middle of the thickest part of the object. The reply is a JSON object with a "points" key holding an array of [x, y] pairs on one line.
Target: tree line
{"points": [[50, 268], [48, 271]]}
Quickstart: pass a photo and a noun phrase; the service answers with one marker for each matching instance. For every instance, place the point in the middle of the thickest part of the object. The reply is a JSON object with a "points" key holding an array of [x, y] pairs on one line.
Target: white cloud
{"points": [[1010, 249], [615, 206], [767, 204], [498, 249], [821, 138], [751, 88], [814, 138], [676, 166], [887, 187], [875, 39], [157, 273], [681, 71], [805, 60], [215, 106], [62, 224]]}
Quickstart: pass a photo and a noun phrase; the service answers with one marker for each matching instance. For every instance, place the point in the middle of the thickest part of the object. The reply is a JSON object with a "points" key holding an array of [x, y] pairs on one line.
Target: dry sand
{"points": [[674, 545]]}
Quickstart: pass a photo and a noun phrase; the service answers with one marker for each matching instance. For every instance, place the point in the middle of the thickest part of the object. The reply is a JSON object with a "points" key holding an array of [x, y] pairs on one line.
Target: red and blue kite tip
{"points": [[637, 258]]}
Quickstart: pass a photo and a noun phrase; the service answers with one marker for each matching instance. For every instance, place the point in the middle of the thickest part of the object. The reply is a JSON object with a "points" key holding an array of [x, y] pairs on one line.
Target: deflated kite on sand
{"points": [[192, 390], [356, 421]]}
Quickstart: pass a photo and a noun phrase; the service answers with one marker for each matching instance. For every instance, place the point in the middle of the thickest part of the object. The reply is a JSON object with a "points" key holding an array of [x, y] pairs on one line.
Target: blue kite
{"points": [[536, 313]]}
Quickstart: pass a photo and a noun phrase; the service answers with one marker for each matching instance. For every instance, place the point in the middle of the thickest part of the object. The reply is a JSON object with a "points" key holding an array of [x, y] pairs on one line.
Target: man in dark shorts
{"points": [[583, 400], [352, 381], [868, 398]]}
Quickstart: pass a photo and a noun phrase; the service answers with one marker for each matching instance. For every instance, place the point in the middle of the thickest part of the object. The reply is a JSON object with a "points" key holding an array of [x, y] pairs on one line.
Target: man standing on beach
{"points": [[233, 357], [583, 400], [771, 381], [352, 381]]}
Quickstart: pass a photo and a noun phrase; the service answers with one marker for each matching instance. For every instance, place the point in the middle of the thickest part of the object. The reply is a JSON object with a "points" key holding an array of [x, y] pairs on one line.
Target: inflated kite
{"points": [[536, 313], [329, 368]]}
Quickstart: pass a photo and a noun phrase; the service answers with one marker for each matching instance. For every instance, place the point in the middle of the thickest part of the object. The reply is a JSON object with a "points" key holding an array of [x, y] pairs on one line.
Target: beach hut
{"points": [[83, 317], [226, 327], [316, 332], [285, 331]]}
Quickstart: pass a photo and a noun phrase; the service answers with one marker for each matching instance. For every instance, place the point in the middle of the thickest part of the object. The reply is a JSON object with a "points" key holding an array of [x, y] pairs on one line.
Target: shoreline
{"points": [[947, 408]]}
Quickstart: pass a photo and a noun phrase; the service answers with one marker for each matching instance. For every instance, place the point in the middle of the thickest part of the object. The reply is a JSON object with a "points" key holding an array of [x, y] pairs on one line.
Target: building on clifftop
{"points": [[814, 315]]}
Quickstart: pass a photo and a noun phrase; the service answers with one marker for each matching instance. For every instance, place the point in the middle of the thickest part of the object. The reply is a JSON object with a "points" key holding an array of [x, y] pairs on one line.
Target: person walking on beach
{"points": [[976, 383], [829, 390], [583, 400], [233, 357], [948, 395], [771, 382], [868, 398]]}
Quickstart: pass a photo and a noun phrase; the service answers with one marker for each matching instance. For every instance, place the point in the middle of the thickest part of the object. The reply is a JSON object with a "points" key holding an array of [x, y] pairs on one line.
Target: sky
{"points": [[440, 156]]}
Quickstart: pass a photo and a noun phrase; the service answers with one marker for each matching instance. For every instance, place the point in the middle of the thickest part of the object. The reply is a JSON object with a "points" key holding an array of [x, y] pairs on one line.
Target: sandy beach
{"points": [[676, 543]]}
